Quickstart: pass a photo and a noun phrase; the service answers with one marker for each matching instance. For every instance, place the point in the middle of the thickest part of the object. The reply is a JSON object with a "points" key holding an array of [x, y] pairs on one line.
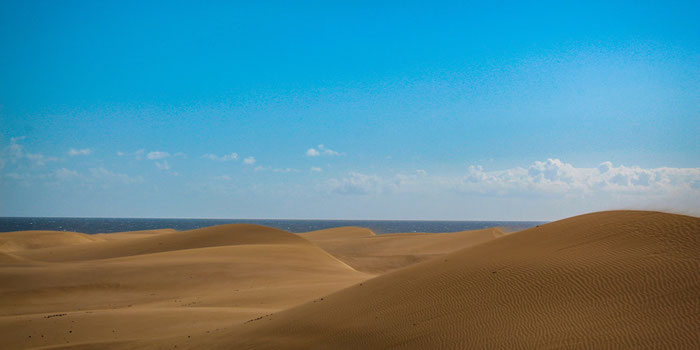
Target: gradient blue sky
{"points": [[447, 110]]}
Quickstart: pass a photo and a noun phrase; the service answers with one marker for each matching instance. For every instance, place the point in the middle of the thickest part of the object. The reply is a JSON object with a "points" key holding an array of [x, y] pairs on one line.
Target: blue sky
{"points": [[389, 110]]}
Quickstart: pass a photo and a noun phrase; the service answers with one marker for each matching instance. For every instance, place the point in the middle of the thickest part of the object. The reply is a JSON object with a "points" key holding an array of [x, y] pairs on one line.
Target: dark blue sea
{"points": [[106, 225]]}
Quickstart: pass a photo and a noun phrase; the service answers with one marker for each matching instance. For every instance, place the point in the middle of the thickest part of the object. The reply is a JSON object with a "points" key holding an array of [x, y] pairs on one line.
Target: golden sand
{"points": [[620, 279]]}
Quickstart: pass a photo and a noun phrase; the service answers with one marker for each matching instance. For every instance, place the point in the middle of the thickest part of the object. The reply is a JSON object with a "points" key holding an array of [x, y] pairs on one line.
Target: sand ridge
{"points": [[25, 240], [139, 244], [365, 251], [132, 234], [345, 232]]}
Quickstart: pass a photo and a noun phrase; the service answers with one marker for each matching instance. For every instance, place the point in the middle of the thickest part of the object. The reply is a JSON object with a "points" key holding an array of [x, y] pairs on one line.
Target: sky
{"points": [[488, 110]]}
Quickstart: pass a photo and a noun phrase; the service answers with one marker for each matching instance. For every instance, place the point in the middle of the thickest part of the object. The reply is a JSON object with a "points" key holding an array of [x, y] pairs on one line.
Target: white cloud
{"points": [[355, 184], [65, 174], [107, 176], [157, 155], [552, 170], [224, 158], [316, 169], [285, 170], [16, 152], [249, 160], [312, 152], [39, 159], [322, 150], [16, 176], [15, 149], [164, 165], [79, 152], [139, 154], [417, 182], [555, 176], [603, 187], [327, 151]]}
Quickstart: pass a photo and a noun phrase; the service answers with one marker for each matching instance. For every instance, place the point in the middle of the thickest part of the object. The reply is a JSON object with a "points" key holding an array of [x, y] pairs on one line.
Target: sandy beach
{"points": [[617, 279]]}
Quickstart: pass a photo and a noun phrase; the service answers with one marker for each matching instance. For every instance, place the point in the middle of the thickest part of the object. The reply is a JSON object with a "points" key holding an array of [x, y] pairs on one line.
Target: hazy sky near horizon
{"points": [[358, 110]]}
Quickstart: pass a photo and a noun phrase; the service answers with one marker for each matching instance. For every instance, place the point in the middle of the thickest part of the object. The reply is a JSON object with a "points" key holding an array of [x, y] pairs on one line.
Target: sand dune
{"points": [[24, 240], [158, 284], [365, 251], [620, 279], [222, 235]]}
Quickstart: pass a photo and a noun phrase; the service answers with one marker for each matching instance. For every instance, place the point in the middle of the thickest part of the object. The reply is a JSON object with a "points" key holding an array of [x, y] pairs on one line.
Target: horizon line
{"points": [[268, 219]]}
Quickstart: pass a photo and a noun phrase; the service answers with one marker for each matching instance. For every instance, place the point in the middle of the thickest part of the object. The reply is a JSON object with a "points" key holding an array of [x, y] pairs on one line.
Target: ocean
{"points": [[107, 225]]}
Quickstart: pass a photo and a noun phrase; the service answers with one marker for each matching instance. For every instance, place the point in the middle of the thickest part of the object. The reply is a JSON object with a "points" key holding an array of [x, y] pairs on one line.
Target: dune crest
{"points": [[365, 251], [139, 244], [24, 240], [346, 232]]}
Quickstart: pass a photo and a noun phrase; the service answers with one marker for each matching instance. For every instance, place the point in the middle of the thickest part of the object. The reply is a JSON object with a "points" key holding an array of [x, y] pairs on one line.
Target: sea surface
{"points": [[107, 225]]}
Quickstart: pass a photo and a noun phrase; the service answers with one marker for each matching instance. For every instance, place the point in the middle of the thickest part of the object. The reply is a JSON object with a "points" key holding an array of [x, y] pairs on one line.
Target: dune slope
{"points": [[365, 251], [152, 285], [622, 279]]}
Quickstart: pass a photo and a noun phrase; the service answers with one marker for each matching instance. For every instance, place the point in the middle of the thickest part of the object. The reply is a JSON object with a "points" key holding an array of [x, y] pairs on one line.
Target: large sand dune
{"points": [[623, 279], [604, 280]]}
